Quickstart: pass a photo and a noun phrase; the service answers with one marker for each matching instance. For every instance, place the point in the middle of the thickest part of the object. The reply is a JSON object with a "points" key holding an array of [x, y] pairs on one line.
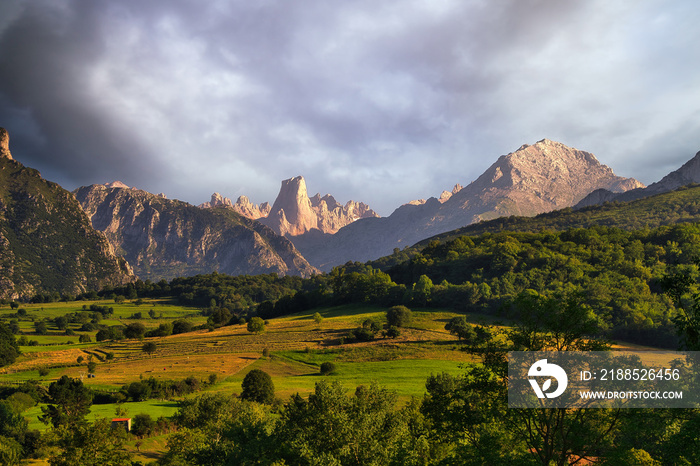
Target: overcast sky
{"points": [[375, 101]]}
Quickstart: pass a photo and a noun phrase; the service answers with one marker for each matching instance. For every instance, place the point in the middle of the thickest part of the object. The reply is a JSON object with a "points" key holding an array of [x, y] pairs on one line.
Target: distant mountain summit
{"points": [[688, 173], [164, 238], [534, 179], [295, 213], [47, 244]]}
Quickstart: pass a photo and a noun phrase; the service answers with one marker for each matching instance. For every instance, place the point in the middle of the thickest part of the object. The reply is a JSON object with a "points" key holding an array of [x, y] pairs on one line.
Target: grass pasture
{"points": [[296, 347]]}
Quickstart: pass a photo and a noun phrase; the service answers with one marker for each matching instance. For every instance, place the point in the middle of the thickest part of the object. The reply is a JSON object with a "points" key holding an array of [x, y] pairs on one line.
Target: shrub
{"points": [[135, 330], [182, 326], [85, 339], [257, 386], [142, 425], [87, 327], [256, 325], [392, 332], [327, 368], [149, 347], [399, 316]]}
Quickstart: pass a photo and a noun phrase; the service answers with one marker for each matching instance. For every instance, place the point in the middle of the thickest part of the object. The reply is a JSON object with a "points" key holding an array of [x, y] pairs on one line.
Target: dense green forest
{"points": [[679, 206], [616, 271]]}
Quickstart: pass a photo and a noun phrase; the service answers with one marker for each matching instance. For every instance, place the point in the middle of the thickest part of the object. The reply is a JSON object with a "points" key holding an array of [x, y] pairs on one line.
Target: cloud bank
{"points": [[381, 102]]}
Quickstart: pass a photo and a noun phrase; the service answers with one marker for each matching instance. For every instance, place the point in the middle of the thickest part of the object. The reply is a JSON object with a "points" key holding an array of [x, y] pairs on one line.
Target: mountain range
{"points": [[536, 178], [297, 234], [163, 238]]}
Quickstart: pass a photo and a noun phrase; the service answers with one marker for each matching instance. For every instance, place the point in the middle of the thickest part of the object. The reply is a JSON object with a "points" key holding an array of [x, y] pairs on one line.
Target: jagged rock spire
{"points": [[5, 144]]}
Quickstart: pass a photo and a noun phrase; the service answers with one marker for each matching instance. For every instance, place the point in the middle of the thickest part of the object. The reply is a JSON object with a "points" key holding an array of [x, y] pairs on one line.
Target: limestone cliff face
{"points": [[47, 244], [534, 179], [5, 144], [294, 213], [164, 238]]}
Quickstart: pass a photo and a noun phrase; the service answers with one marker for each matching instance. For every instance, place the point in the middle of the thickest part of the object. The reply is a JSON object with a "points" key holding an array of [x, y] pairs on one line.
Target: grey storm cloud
{"points": [[382, 102]]}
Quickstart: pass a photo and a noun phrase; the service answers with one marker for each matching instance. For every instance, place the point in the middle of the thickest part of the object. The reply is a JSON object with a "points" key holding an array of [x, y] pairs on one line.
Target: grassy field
{"points": [[154, 408], [296, 346]]}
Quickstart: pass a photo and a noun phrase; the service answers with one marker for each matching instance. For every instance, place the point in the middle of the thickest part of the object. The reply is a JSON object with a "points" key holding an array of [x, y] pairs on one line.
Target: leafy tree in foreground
{"points": [[679, 286], [364, 429], [257, 386], [70, 400], [9, 349], [10, 451], [472, 410], [220, 429], [88, 445]]}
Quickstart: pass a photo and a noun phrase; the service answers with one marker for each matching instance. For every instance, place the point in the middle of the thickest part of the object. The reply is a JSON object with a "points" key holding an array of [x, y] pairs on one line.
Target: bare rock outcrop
{"points": [[294, 213], [242, 205], [5, 144]]}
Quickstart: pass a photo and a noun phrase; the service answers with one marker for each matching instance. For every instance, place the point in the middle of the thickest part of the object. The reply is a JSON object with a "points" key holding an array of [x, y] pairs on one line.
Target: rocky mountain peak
{"points": [[294, 213], [446, 195], [218, 200], [116, 184], [246, 208], [5, 144], [557, 174]]}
